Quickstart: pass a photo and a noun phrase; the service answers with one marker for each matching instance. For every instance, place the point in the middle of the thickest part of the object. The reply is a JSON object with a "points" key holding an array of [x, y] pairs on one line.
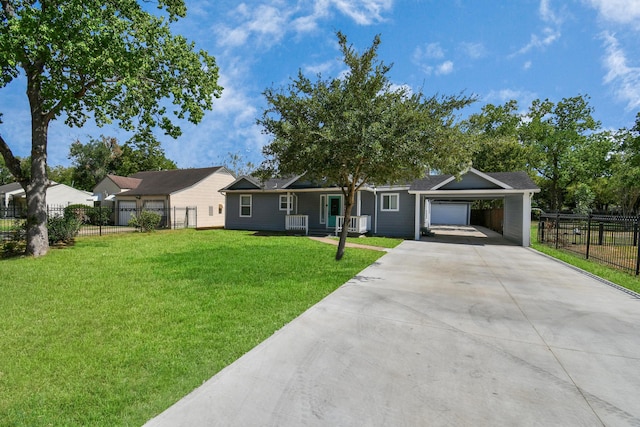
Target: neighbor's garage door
{"points": [[126, 209], [449, 213]]}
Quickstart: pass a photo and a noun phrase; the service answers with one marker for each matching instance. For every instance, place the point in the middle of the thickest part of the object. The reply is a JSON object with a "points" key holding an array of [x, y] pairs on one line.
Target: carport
{"points": [[444, 198]]}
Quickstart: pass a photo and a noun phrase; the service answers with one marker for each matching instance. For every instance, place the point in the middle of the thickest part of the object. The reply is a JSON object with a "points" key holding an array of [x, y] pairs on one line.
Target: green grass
{"points": [[115, 329], [7, 224], [383, 242], [618, 277]]}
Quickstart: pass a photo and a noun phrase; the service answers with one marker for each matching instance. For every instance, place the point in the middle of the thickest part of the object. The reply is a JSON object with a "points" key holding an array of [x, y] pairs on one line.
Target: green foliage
{"points": [[77, 212], [116, 330], [558, 136], [584, 198], [99, 215], [146, 221], [93, 161], [16, 243], [63, 228], [499, 148], [142, 156]]}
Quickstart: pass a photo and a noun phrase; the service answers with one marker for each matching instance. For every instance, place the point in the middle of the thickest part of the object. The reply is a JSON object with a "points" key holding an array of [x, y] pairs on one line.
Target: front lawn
{"points": [[115, 329]]}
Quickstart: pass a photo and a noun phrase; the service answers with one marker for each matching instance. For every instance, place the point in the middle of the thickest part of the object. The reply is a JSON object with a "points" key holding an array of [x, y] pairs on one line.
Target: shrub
{"points": [[77, 211], [146, 221], [99, 215], [16, 244], [63, 229]]}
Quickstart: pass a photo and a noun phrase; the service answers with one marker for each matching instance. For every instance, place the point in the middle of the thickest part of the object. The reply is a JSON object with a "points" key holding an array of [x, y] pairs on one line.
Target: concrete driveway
{"points": [[450, 331]]}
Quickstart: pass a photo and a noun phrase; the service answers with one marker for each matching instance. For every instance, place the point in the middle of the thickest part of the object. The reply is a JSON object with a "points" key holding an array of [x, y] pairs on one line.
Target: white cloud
{"points": [[526, 65], [321, 68], [618, 11], [268, 23], [364, 12], [423, 56], [428, 51], [445, 68], [473, 50], [550, 33], [624, 79], [524, 98]]}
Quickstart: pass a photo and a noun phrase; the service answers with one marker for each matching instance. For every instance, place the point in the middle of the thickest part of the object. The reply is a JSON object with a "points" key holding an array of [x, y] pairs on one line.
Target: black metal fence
{"points": [[612, 240], [102, 220]]}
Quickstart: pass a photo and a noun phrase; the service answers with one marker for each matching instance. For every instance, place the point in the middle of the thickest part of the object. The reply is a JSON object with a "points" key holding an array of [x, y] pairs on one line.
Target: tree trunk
{"points": [[349, 196], [36, 188]]}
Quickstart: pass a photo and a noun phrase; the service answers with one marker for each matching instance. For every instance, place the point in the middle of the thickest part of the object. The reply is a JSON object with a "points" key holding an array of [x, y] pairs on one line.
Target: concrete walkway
{"points": [[450, 331]]}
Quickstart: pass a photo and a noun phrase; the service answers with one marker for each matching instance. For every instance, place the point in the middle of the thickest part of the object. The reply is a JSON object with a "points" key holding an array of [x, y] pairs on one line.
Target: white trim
{"points": [[493, 193], [290, 205], [477, 173], [250, 205], [416, 217], [397, 197], [323, 209]]}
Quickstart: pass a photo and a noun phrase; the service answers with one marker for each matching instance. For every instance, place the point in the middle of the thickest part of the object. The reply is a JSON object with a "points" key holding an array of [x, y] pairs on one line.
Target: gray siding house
{"points": [[394, 210]]}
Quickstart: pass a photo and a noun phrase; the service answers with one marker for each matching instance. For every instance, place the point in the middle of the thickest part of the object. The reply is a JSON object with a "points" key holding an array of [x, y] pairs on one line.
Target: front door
{"points": [[335, 209]]}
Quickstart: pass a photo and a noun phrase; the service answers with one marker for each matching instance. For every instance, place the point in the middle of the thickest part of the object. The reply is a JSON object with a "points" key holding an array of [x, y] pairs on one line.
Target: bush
{"points": [[77, 211], [99, 215], [146, 221], [17, 242], [63, 229]]}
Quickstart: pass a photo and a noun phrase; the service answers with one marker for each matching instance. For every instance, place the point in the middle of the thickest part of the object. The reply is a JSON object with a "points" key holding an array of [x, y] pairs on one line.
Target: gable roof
{"points": [[169, 181], [500, 180], [247, 182], [125, 181]]}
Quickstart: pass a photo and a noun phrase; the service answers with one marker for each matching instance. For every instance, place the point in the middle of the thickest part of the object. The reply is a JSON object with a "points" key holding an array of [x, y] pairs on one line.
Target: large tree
{"points": [[498, 147], [113, 60], [360, 129], [93, 161], [558, 135]]}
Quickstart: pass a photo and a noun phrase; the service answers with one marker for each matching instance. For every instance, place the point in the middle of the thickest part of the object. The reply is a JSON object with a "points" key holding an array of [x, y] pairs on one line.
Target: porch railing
{"points": [[357, 224], [297, 222]]}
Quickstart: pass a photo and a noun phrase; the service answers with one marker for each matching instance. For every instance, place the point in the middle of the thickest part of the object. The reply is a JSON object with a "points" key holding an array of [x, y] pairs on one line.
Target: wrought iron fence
{"points": [[101, 220], [612, 240]]}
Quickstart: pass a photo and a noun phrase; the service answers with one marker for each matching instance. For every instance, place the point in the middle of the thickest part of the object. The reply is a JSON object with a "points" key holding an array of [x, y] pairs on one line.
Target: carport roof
{"points": [[500, 180]]}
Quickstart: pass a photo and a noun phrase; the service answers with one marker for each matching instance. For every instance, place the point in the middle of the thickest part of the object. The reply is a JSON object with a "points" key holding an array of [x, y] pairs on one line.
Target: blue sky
{"points": [[495, 49]]}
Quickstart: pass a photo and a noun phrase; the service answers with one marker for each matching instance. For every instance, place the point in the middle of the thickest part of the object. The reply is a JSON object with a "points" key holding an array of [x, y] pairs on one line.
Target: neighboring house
{"points": [[106, 190], [393, 210], [13, 198], [183, 197]]}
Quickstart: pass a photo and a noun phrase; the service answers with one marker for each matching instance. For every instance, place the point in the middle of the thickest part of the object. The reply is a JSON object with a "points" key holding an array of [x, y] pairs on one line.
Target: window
{"points": [[245, 205], [283, 202], [390, 202]]}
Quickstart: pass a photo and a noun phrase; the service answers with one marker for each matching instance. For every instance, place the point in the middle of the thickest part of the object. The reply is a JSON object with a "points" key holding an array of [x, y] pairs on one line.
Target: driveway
{"points": [[449, 331]]}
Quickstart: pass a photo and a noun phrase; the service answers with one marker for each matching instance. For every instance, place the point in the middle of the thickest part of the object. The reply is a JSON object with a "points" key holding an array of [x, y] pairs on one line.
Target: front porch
{"points": [[357, 224]]}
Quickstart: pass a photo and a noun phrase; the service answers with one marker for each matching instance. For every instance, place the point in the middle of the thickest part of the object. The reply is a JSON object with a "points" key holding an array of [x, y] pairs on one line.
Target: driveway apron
{"points": [[442, 332]]}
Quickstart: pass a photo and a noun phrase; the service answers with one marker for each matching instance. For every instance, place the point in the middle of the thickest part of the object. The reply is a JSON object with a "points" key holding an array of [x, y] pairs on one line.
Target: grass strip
{"points": [[611, 274]]}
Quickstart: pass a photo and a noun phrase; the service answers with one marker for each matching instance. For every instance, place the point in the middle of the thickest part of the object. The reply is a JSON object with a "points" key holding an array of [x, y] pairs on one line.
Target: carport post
{"points": [[417, 217]]}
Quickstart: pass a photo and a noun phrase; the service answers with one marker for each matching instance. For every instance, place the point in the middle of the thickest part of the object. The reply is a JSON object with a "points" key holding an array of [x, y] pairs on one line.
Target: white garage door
{"points": [[449, 213], [126, 209]]}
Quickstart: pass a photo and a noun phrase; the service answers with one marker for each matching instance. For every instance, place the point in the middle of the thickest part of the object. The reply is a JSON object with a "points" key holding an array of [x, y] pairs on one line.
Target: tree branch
{"points": [[12, 163]]}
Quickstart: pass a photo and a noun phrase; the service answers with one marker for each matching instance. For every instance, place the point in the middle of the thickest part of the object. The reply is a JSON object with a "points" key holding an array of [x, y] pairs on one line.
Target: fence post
{"points": [[638, 254], [557, 228], [600, 233], [588, 236], [100, 219], [635, 231]]}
